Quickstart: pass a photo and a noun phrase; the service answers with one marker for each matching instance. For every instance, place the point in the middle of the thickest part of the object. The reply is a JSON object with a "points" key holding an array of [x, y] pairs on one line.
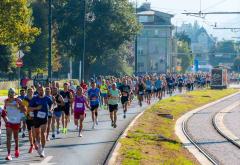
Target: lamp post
{"points": [[82, 62], [136, 46], [49, 39]]}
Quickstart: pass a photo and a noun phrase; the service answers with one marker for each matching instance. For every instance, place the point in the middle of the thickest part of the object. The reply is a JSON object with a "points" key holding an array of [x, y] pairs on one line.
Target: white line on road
{"points": [[44, 162]]}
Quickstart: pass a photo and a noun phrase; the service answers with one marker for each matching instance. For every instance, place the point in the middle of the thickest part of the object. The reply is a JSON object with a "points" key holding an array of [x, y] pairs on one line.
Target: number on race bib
{"points": [[79, 105], [41, 115]]}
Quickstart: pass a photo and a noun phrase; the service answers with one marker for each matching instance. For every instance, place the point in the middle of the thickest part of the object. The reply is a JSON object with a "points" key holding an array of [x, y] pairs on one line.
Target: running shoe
{"points": [[36, 146], [65, 130], [93, 126], [58, 132], [115, 126], [42, 155], [53, 136], [39, 150], [112, 124], [96, 121], [124, 116], [17, 153], [9, 157], [80, 134], [31, 149]]}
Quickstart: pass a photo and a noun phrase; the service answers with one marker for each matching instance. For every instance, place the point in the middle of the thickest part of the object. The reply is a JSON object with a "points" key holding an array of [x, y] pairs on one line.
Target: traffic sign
{"points": [[19, 63]]}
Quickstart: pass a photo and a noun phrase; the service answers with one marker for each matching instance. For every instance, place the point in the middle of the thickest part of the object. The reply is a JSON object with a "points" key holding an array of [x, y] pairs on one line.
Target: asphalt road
{"points": [[91, 149], [201, 129]]}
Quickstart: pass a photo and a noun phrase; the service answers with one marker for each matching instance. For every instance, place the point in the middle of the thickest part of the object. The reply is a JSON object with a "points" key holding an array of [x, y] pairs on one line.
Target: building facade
{"points": [[155, 43]]}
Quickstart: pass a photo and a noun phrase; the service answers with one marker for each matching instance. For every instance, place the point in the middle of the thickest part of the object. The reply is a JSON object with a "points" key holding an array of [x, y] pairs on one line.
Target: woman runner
{"points": [[80, 104]]}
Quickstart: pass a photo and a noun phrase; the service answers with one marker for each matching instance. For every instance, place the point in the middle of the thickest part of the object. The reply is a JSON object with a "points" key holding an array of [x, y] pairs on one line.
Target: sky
{"points": [[177, 7]]}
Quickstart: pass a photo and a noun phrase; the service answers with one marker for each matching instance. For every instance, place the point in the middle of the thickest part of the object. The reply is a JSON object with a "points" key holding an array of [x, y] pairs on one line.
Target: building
{"points": [[201, 43], [155, 43]]}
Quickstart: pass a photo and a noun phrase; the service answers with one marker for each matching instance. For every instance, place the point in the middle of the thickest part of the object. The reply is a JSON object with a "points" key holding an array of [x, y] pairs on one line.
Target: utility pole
{"points": [[136, 45], [50, 40], [84, 39]]}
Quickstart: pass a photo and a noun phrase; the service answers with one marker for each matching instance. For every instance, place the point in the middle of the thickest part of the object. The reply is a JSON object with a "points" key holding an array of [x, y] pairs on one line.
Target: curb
{"points": [[222, 129], [179, 130], [113, 155]]}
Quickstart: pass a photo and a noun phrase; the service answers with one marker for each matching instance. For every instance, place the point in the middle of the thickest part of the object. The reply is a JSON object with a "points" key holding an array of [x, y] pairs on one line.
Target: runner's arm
{"points": [[61, 101], [21, 106]]}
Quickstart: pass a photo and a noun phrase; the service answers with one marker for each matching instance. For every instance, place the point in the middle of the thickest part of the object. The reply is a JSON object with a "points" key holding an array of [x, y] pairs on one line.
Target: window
{"points": [[145, 18], [140, 52], [156, 32]]}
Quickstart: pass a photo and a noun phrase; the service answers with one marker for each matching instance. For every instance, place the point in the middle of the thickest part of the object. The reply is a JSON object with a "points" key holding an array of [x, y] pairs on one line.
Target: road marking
{"points": [[44, 162]]}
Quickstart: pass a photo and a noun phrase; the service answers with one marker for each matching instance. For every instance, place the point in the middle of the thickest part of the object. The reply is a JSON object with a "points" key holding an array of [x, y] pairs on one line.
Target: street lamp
{"points": [[50, 40], [136, 46]]}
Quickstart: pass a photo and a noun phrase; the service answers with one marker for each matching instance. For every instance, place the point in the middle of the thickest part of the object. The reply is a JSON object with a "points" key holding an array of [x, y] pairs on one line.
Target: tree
{"points": [[184, 50], [15, 22], [5, 58], [108, 25], [236, 64], [184, 54], [36, 58], [223, 52], [183, 37]]}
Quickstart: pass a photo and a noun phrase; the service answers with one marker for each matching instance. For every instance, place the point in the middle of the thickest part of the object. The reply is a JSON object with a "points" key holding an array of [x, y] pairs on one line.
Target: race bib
{"points": [[79, 105], [125, 94], [41, 115], [31, 114], [65, 100], [140, 93]]}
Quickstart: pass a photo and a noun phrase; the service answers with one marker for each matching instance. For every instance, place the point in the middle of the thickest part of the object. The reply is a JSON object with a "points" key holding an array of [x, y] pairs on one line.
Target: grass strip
{"points": [[152, 139]]}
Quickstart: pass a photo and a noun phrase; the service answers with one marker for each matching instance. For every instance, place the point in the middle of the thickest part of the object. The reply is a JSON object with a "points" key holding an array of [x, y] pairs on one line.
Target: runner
{"points": [[140, 91], [57, 110], [104, 91], [29, 120], [80, 104], [180, 84], [50, 111], [40, 105], [93, 96], [158, 88], [68, 99], [23, 120], [84, 86], [125, 91], [114, 96], [12, 117], [148, 89]]}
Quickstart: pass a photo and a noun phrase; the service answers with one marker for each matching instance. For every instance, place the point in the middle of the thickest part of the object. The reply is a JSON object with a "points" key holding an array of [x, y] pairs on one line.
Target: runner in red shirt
{"points": [[84, 86]]}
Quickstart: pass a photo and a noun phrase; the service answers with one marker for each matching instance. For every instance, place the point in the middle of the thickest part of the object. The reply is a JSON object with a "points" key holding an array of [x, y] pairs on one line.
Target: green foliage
{"points": [[184, 55], [227, 50], [15, 22], [184, 50], [36, 58], [5, 58], [183, 37], [236, 64], [109, 24]]}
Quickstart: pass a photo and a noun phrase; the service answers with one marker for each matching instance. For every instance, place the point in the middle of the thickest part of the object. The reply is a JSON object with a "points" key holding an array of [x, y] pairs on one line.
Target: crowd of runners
{"points": [[45, 111]]}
